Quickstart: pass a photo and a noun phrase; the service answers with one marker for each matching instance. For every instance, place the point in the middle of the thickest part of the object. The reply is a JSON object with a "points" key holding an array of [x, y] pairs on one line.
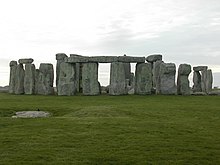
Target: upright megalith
{"points": [[167, 84], [117, 79], [155, 60], [60, 57], [45, 79], [199, 79], [13, 66], [197, 82], [209, 81], [19, 79], [127, 68], [37, 77], [143, 79], [90, 84], [29, 79], [66, 83], [156, 72], [182, 80]]}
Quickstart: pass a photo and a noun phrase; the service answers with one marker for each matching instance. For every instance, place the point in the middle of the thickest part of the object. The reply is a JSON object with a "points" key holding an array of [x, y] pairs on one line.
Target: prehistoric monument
{"points": [[79, 74]]}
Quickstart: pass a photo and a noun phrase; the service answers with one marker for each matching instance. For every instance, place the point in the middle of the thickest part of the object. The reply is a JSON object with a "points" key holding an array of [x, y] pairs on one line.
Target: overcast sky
{"points": [[183, 31]]}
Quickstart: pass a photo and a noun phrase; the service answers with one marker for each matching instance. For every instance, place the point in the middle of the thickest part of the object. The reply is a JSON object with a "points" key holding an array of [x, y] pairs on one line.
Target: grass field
{"points": [[111, 130]]}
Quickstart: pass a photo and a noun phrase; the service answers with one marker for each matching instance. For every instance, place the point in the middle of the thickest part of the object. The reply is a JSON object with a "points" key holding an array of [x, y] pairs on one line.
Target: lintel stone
{"points": [[200, 68], [104, 59], [154, 58], [25, 61]]}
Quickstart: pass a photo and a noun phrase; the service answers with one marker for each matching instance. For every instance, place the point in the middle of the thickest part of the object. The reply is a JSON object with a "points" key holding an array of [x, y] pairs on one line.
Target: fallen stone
{"points": [[31, 114], [25, 61], [199, 94]]}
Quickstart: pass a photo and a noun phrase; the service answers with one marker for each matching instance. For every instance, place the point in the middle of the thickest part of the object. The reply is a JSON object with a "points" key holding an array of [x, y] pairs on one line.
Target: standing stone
{"points": [[117, 79], [90, 82], [19, 79], [29, 79], [66, 83], [209, 81], [60, 57], [143, 79], [127, 68], [199, 78], [45, 79], [182, 80], [78, 76], [203, 80], [156, 72], [197, 82], [13, 66], [167, 79], [37, 76]]}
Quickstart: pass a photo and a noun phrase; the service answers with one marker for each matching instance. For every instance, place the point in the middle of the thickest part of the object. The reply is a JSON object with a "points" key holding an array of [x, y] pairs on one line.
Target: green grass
{"points": [[111, 130]]}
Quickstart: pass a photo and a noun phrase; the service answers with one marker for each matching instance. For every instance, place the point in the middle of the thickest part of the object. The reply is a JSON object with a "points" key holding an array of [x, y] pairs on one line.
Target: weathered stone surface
{"points": [[31, 114], [167, 79], [197, 82], [45, 79], [60, 57], [154, 58], [19, 79], [90, 82], [66, 83], [143, 79], [103, 59], [129, 59], [37, 76], [199, 94], [127, 68], [200, 68], [182, 80], [77, 59], [13, 63], [156, 73], [29, 79], [78, 76], [25, 61], [209, 81], [117, 79], [203, 80], [13, 66]]}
